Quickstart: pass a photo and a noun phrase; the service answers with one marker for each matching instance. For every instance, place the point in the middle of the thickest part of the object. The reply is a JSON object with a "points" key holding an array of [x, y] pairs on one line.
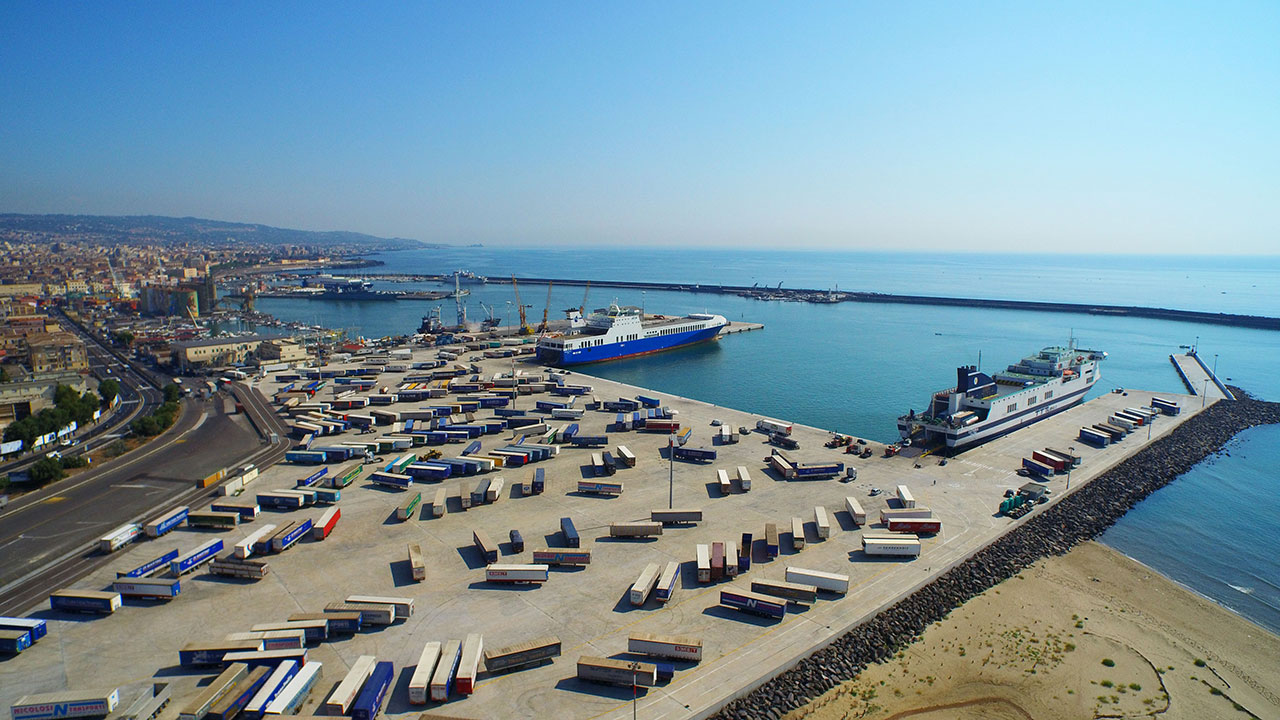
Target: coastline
{"points": [[1038, 645], [1081, 516]]}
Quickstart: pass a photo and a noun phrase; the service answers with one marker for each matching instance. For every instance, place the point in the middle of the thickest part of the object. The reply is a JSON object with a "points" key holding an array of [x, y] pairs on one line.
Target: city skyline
{"points": [[1093, 128]]}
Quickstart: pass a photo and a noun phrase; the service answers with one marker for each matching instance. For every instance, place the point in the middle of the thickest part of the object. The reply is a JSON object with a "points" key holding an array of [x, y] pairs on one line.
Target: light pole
{"points": [[1204, 395], [671, 479], [1071, 449], [1215, 367]]}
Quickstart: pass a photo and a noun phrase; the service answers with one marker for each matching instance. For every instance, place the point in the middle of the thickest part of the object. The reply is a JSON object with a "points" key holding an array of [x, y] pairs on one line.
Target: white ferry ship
{"points": [[618, 332], [980, 407]]}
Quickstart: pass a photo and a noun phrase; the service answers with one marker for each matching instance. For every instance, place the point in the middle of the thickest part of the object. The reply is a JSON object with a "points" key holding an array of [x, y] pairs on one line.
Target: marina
{"points": [[590, 608]]}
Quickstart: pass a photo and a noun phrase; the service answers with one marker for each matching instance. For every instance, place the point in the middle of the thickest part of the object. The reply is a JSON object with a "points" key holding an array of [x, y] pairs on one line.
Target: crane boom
{"points": [[547, 308], [524, 324]]}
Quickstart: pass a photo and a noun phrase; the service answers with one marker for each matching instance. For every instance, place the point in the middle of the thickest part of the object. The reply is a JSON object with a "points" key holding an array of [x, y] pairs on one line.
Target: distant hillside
{"points": [[156, 229]]}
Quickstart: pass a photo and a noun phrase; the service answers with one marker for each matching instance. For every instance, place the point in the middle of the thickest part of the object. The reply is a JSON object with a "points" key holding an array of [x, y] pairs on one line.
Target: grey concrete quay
{"points": [[586, 608]]}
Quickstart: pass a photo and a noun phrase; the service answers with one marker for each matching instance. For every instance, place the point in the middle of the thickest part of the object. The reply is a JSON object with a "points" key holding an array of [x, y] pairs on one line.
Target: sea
{"points": [[855, 367]]}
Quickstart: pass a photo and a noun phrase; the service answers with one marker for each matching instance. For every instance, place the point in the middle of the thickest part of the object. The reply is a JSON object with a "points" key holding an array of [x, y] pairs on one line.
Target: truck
{"points": [[833, 582], [521, 654], [856, 513], [644, 585], [570, 533], [676, 516], [747, 601], [694, 454], [635, 529], [48, 706], [686, 648], [516, 573], [768, 425]]}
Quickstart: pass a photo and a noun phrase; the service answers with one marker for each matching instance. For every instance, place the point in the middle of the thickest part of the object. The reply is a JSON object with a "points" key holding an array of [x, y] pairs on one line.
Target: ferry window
{"points": [[1048, 395], [1011, 408], [1032, 401]]}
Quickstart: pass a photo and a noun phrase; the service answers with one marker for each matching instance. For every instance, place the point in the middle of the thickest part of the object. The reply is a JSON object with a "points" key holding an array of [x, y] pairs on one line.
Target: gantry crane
{"points": [[524, 324], [543, 327]]}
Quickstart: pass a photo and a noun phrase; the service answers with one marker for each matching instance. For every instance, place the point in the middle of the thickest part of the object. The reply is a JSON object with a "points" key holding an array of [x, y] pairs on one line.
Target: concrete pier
{"points": [[586, 608], [1198, 378]]}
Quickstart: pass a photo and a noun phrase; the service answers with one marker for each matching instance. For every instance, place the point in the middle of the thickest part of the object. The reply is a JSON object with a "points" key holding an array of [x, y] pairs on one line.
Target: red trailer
{"points": [[664, 426], [918, 526], [717, 560], [325, 525], [1053, 461]]}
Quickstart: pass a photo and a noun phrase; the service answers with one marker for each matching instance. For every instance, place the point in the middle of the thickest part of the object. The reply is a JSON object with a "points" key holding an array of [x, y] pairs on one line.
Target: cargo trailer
{"points": [[515, 573], [280, 500], [119, 537], [442, 679], [517, 541], [1071, 460], [694, 454], [13, 642], [635, 529], [731, 559], [199, 706], [617, 672], [327, 522], [570, 533], [771, 545], [487, 547], [212, 653], [295, 693], [228, 565], [406, 508], [600, 487], [148, 588], [744, 479], [469, 663], [1094, 437], [797, 534], [704, 563], [688, 649], [392, 480], [667, 582], [1038, 469], [676, 516], [747, 601], [374, 693], [35, 626], [626, 457], [644, 584], [288, 639], [562, 557], [417, 567], [276, 681], [773, 426], [1058, 464], [802, 593], [717, 560], [290, 535], [920, 511], [166, 522], [402, 606], [521, 654], [821, 522], [917, 526], [246, 509], [370, 613], [854, 508], [230, 704], [744, 553], [90, 601], [344, 696], [250, 544], [883, 546], [539, 481], [48, 706], [722, 479], [833, 582], [905, 498], [1122, 422], [420, 681]]}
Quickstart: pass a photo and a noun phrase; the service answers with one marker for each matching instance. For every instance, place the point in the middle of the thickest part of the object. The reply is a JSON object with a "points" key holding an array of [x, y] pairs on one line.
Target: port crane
{"points": [[524, 323], [545, 309], [490, 322]]}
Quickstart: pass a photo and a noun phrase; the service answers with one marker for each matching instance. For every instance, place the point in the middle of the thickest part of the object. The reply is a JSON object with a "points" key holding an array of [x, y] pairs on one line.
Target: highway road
{"points": [[47, 538]]}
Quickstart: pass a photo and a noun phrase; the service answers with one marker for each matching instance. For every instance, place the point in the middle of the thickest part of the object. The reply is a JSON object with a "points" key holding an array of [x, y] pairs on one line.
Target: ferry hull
{"points": [[630, 348]]}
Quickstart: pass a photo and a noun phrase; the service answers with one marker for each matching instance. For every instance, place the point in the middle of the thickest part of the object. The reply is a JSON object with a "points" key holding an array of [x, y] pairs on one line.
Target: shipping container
{"points": [[747, 601], [442, 679], [617, 672], [420, 681], [48, 706], [688, 649], [856, 513], [802, 593], [516, 573], [344, 696], [91, 601]]}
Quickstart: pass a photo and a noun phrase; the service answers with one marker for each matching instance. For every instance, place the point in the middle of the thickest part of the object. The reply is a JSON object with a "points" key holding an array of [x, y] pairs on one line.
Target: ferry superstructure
{"points": [[618, 332], [981, 407]]}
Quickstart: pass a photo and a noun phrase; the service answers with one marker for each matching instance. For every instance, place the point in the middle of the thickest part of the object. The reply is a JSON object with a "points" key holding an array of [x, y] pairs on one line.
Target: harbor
{"points": [[588, 608]]}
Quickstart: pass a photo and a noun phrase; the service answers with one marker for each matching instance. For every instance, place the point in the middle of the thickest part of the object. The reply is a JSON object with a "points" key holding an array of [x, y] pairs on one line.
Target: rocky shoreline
{"points": [[1081, 516]]}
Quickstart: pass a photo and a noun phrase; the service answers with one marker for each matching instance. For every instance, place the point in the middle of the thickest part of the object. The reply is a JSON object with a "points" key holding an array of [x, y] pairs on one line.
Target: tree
{"points": [[124, 337], [46, 470], [109, 390], [4, 375], [172, 392]]}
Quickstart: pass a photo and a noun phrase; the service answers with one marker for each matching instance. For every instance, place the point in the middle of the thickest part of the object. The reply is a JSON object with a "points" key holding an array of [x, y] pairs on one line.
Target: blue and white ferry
{"points": [[618, 332]]}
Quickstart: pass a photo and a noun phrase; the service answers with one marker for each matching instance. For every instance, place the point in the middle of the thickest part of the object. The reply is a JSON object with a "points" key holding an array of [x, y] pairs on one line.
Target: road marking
{"points": [[53, 499]]}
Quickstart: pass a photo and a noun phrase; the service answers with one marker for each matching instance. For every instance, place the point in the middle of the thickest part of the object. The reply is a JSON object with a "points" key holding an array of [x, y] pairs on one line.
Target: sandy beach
{"points": [[1087, 635]]}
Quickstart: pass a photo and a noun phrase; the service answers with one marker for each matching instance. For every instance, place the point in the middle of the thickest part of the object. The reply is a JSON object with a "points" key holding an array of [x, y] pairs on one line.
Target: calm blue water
{"points": [[855, 367]]}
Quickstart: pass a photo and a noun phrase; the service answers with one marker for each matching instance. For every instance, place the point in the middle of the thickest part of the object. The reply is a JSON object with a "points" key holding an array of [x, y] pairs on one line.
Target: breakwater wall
{"points": [[1080, 516], [800, 294]]}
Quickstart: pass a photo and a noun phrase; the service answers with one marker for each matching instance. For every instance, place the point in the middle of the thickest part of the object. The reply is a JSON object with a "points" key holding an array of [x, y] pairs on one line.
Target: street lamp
{"points": [[1204, 395], [1215, 367]]}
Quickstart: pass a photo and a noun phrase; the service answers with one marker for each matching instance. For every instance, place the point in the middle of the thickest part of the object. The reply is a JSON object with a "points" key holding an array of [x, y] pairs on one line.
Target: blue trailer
{"points": [[753, 603], [1095, 438], [151, 566], [13, 642], [166, 522], [313, 478], [280, 543], [539, 481], [648, 401], [590, 440], [1037, 468], [246, 511], [328, 496], [148, 589], [694, 454], [818, 470], [304, 457], [550, 405], [570, 533], [195, 558], [622, 422], [37, 627], [230, 705], [472, 449], [509, 412], [429, 472], [639, 419], [280, 501], [744, 554], [395, 480], [622, 405]]}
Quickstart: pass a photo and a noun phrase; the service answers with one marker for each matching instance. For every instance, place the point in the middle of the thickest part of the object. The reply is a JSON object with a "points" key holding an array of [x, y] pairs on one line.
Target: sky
{"points": [[1134, 127]]}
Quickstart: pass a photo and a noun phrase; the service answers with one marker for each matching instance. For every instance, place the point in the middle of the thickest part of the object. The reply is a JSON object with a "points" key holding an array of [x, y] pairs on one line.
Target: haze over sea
{"points": [[855, 367]]}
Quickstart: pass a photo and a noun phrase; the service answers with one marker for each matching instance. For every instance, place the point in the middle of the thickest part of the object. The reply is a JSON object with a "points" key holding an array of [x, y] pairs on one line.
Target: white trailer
{"points": [[744, 479], [667, 646], [722, 477], [855, 511], [919, 512], [635, 530], [516, 573], [731, 558], [885, 546], [644, 585], [821, 522], [438, 505], [834, 582], [905, 497], [344, 696], [797, 533]]}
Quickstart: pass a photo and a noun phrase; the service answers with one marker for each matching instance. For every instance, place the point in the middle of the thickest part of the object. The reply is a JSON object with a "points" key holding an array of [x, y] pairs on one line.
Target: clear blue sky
{"points": [[1040, 126]]}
